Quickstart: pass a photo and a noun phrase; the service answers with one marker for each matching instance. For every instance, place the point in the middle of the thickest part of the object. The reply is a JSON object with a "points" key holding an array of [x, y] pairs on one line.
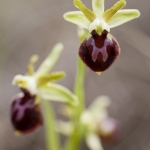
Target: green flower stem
{"points": [[79, 80], [80, 73], [52, 139], [77, 136], [79, 85], [74, 141]]}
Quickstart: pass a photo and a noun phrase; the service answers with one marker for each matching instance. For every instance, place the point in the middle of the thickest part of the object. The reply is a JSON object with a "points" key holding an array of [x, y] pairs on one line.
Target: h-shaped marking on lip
{"points": [[102, 50], [21, 109]]}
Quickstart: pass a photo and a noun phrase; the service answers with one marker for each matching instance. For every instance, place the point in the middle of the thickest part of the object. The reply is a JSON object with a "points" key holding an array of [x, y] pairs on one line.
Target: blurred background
{"points": [[33, 27]]}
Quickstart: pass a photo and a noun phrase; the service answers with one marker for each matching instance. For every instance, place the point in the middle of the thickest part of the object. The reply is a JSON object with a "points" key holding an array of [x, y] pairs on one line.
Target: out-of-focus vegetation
{"points": [[29, 27]]}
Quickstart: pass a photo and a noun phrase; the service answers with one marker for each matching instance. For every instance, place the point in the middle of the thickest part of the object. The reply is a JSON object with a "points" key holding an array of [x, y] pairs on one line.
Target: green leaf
{"points": [[87, 12], [52, 77], [108, 14], [50, 61], [123, 16], [32, 61], [98, 7], [56, 92], [78, 18]]}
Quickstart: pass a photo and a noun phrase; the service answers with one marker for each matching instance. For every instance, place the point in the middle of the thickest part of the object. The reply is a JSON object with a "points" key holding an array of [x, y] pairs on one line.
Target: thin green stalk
{"points": [[79, 79], [77, 136], [80, 74], [52, 139], [79, 85]]}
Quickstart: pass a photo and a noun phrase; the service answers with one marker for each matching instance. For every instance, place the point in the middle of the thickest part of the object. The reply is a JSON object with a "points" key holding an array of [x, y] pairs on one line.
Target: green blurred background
{"points": [[33, 27]]}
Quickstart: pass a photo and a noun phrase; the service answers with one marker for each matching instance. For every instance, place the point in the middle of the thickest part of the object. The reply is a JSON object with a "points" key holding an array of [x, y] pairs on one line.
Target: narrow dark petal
{"points": [[99, 52], [25, 115]]}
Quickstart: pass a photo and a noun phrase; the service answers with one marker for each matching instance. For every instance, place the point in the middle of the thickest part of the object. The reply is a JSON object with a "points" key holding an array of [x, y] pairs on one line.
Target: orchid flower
{"points": [[100, 50], [35, 87]]}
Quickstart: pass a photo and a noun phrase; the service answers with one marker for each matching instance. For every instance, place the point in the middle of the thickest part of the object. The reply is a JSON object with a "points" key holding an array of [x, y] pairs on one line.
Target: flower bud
{"points": [[25, 114], [109, 130], [99, 51]]}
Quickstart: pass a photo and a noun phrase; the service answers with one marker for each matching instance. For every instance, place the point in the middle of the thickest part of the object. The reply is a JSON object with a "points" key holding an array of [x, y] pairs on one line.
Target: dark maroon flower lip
{"points": [[25, 114], [99, 52]]}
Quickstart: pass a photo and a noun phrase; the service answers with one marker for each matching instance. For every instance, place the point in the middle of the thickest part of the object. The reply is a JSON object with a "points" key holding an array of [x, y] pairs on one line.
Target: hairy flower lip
{"points": [[99, 52], [25, 114], [33, 129]]}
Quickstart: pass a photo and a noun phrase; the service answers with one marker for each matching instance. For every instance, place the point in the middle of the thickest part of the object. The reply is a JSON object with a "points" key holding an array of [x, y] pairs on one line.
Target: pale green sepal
{"points": [[123, 16], [87, 12], [99, 107], [56, 92], [50, 61], [108, 14], [98, 7], [78, 18], [52, 77], [93, 142], [66, 111], [100, 102], [32, 61], [65, 128], [86, 118]]}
